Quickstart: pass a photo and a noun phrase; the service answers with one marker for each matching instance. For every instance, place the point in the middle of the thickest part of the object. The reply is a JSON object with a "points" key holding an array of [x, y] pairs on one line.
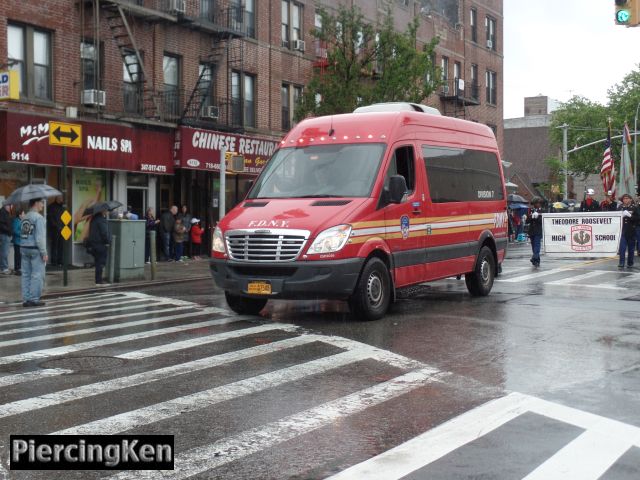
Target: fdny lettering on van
{"points": [[500, 219], [269, 223]]}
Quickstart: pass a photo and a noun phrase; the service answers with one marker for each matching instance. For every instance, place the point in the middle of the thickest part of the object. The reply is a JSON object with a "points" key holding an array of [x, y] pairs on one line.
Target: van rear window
{"points": [[462, 175]]}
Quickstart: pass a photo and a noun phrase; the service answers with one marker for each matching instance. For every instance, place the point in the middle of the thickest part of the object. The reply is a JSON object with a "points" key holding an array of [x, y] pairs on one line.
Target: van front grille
{"points": [[280, 245]]}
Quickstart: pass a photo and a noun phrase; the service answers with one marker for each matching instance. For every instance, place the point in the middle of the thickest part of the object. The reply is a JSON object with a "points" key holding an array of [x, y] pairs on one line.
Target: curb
{"points": [[124, 286]]}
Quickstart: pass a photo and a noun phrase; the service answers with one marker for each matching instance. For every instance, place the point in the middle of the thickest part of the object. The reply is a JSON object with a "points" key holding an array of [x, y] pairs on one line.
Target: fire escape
{"points": [[140, 97], [456, 96]]}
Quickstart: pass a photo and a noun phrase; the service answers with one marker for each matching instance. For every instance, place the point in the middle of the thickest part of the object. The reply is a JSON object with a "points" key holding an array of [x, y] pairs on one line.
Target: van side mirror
{"points": [[397, 188]]}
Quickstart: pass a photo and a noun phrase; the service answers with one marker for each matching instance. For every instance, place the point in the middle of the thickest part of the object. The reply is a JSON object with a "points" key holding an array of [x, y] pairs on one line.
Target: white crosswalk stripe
{"points": [[181, 355]]}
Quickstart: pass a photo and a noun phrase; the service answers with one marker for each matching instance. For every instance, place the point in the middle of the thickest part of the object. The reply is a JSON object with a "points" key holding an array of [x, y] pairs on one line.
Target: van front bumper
{"points": [[292, 280]]}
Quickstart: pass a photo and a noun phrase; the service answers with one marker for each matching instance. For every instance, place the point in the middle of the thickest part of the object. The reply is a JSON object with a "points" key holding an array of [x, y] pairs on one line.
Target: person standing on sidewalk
{"points": [[5, 238], [17, 228], [33, 249], [186, 218], [99, 240], [54, 225], [196, 238], [534, 220], [167, 222], [630, 219], [178, 238], [150, 226]]}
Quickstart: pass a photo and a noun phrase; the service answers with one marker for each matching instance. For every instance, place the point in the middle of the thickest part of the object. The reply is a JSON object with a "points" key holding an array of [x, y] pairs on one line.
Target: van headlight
{"points": [[218, 241], [331, 240]]}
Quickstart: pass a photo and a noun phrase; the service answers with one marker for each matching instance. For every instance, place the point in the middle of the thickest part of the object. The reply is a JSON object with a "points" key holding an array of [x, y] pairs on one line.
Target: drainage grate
{"points": [[84, 364]]}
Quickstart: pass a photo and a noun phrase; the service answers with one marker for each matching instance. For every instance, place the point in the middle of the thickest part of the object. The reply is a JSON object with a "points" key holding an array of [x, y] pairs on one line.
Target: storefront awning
{"points": [[24, 139], [200, 149]]}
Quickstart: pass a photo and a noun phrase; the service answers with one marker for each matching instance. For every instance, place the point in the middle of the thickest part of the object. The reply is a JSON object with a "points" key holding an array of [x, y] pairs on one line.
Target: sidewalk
{"points": [[82, 280]]}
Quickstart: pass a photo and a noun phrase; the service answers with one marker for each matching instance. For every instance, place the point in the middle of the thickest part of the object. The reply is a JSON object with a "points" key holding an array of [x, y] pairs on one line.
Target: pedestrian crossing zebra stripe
{"points": [[73, 323], [61, 302], [207, 398], [88, 308], [150, 376], [207, 457], [77, 347], [31, 376], [204, 340]]}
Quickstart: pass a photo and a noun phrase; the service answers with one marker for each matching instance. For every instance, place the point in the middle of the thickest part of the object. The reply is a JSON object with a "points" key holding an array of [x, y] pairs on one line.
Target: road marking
{"points": [[206, 398], [537, 274], [107, 386], [89, 320], [50, 352], [194, 342], [438, 442], [207, 457], [31, 376], [587, 457], [120, 304], [58, 302], [578, 278]]}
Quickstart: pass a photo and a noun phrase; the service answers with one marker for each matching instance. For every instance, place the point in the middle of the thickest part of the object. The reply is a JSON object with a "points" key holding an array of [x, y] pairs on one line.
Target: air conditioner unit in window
{"points": [[237, 163], [94, 97], [212, 112], [445, 89], [490, 44], [175, 6], [299, 45]]}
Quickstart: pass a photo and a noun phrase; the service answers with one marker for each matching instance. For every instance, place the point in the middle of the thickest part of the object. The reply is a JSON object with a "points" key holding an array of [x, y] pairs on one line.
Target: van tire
{"points": [[480, 281], [245, 305], [372, 295]]}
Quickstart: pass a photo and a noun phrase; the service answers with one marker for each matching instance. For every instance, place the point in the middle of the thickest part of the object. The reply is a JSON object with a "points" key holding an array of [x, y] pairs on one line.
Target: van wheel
{"points": [[480, 281], [245, 305], [371, 298]]}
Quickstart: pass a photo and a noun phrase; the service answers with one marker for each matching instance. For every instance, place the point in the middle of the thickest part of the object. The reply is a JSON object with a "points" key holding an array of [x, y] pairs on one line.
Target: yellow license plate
{"points": [[259, 288]]}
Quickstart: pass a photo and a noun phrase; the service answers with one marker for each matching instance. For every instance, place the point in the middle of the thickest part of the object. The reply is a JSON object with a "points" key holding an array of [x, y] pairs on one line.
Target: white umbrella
{"points": [[31, 191]]}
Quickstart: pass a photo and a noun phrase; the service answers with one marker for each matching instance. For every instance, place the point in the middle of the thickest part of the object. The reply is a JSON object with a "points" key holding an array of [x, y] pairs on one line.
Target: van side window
{"points": [[462, 175], [403, 163]]}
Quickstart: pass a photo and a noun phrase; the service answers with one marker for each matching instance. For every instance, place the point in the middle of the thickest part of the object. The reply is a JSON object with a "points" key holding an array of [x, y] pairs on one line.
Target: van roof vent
{"points": [[397, 107]]}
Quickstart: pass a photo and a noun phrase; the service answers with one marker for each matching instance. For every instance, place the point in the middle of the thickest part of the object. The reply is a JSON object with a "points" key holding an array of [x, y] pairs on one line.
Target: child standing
{"points": [[196, 238], [178, 239]]}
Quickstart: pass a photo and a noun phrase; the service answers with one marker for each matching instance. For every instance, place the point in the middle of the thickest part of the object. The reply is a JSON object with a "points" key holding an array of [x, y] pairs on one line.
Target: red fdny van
{"points": [[356, 206]]}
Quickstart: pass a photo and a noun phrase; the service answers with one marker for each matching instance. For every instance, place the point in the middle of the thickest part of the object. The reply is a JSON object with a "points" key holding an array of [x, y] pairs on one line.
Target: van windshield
{"points": [[320, 171]]}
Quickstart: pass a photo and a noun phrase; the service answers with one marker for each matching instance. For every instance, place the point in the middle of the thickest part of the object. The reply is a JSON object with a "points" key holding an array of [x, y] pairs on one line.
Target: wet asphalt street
{"points": [[540, 380]]}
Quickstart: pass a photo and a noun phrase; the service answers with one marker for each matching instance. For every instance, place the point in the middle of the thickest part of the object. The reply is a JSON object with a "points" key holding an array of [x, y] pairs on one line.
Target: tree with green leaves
{"points": [[588, 122], [367, 64]]}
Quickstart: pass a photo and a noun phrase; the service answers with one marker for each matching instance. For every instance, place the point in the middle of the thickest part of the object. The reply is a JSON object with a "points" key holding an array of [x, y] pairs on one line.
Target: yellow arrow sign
{"points": [[65, 232], [65, 134], [65, 217]]}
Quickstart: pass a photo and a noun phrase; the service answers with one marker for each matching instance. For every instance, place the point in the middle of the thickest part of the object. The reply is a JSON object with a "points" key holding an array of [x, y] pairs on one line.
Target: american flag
{"points": [[608, 169]]}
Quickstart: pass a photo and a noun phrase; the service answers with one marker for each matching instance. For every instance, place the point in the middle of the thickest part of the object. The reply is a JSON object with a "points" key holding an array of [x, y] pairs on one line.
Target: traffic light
{"points": [[627, 12]]}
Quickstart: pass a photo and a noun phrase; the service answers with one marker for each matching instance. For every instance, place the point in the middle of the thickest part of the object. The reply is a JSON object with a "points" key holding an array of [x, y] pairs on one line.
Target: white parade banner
{"points": [[581, 234]]}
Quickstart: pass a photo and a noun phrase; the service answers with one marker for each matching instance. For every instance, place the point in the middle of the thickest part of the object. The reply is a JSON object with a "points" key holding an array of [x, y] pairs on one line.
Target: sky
{"points": [[561, 48]]}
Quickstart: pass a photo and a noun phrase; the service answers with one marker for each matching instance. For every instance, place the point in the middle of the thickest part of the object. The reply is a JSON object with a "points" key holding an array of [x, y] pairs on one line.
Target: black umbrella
{"points": [[101, 207], [512, 197], [30, 192]]}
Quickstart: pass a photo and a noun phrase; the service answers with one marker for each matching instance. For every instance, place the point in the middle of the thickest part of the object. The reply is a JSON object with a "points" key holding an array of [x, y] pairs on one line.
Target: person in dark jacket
{"points": [[6, 231], [167, 222], [534, 220], [54, 225], [630, 218], [99, 240], [609, 204], [17, 233], [151, 225], [589, 204]]}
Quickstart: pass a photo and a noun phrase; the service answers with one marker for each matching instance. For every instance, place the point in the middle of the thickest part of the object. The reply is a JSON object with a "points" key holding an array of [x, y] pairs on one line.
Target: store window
{"points": [[137, 193]]}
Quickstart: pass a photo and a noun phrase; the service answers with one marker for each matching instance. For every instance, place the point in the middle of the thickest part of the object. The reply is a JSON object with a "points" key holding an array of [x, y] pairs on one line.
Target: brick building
{"points": [[163, 88]]}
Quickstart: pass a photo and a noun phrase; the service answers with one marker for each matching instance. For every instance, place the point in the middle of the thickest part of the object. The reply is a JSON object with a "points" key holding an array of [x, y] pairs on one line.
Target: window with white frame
{"points": [[292, 20], [492, 87], [29, 53]]}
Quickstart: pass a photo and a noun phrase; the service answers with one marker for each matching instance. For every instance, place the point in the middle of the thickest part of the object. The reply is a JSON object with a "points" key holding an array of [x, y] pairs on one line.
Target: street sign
{"points": [[65, 134], [65, 232], [65, 217]]}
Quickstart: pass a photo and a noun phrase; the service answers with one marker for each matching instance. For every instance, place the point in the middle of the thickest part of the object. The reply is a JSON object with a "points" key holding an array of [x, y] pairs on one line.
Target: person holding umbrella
{"points": [[33, 250], [99, 240], [534, 220]]}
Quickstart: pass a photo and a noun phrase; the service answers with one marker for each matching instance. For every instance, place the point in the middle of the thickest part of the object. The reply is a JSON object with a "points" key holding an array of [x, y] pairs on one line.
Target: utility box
{"points": [[129, 249]]}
